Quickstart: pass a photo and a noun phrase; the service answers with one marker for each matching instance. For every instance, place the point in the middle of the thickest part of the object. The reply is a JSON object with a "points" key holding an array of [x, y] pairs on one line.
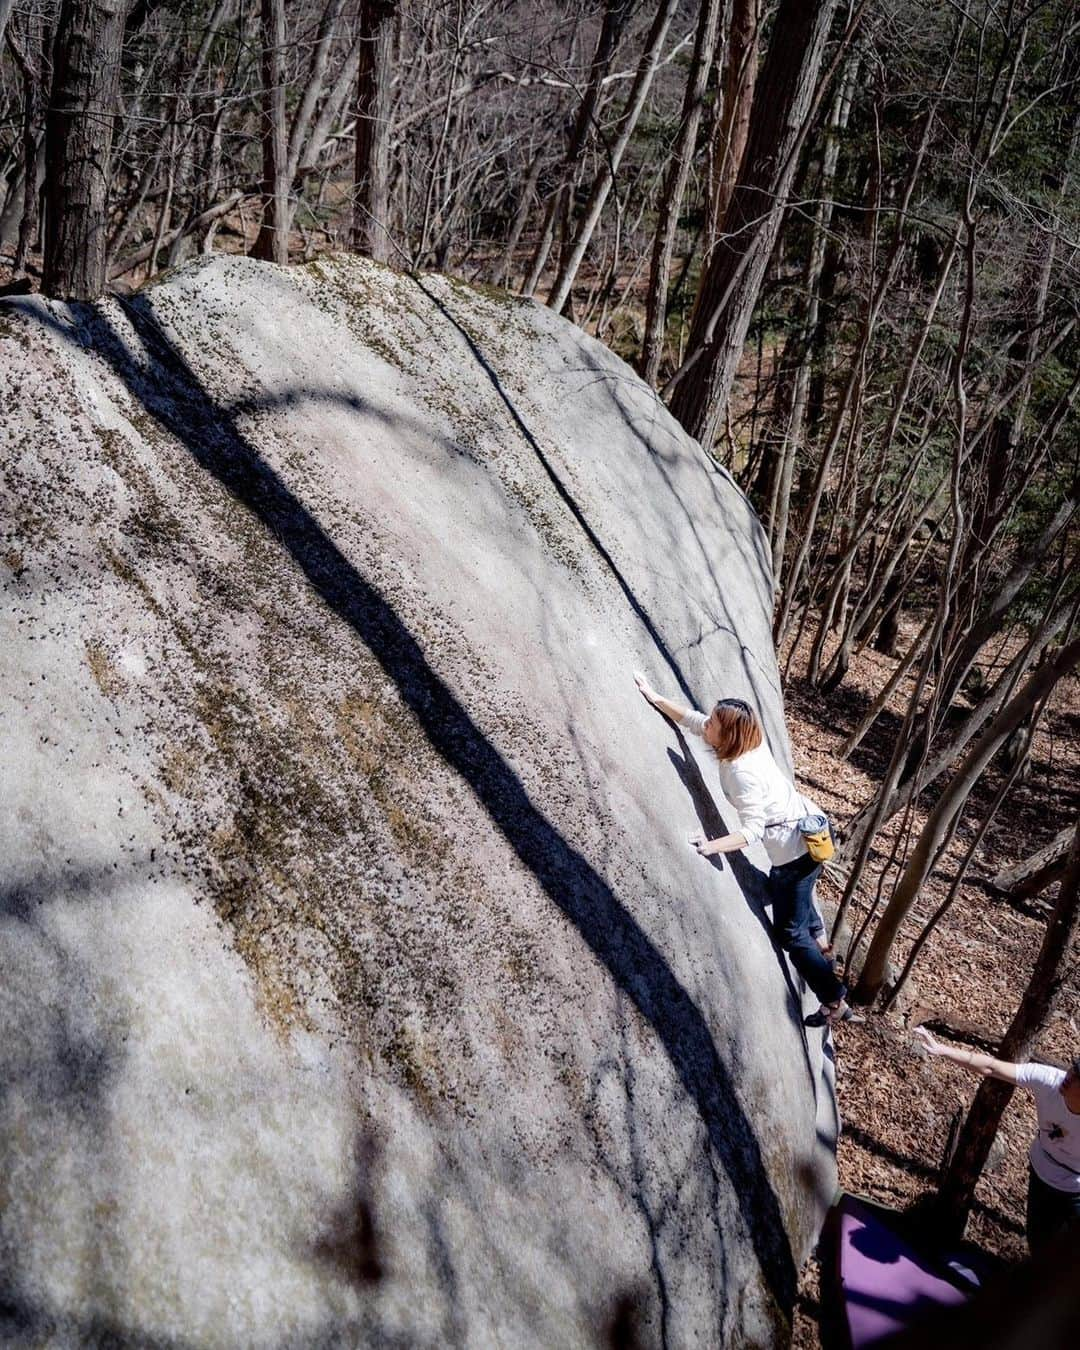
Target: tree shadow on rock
{"points": [[624, 1326], [59, 1064], [350, 1242], [158, 377]]}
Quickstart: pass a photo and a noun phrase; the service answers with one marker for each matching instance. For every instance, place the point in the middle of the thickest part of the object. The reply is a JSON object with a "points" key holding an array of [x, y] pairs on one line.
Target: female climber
{"points": [[1053, 1199], [769, 809]]}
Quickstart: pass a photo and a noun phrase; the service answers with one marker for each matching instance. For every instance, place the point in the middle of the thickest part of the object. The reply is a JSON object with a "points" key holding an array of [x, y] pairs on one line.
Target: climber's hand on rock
{"points": [[648, 693]]}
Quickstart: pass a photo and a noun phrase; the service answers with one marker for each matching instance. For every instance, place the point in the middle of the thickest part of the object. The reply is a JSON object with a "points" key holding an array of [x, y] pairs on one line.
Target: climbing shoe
{"points": [[829, 1014]]}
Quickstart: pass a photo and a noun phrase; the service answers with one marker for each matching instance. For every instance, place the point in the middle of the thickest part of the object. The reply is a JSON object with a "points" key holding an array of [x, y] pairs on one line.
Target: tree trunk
{"points": [[913, 653], [28, 226], [896, 798], [919, 770], [944, 811], [222, 10], [616, 16], [32, 63], [6, 6], [855, 381], [981, 1126], [371, 183], [731, 282], [989, 620], [521, 216], [313, 90], [83, 104], [674, 188], [335, 100], [195, 225], [928, 928], [733, 125], [272, 243], [888, 633], [605, 177], [784, 468]]}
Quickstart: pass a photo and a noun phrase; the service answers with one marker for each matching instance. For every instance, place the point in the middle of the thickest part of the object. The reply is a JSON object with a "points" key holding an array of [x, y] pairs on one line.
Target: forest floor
{"points": [[896, 1104]]}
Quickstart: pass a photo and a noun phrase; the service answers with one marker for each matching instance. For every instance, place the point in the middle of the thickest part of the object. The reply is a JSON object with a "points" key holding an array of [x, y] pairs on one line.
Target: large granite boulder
{"points": [[360, 985]]}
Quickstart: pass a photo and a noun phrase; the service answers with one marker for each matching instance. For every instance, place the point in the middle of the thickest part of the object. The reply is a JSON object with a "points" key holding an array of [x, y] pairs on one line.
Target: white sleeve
{"points": [[694, 722], [1036, 1076]]}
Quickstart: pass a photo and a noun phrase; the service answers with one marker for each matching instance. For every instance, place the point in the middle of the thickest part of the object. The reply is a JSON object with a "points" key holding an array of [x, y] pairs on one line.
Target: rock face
{"points": [[360, 985]]}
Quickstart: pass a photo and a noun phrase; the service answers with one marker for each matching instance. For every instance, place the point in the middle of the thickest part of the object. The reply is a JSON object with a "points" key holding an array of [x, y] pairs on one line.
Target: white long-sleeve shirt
{"points": [[768, 804], [1055, 1150]]}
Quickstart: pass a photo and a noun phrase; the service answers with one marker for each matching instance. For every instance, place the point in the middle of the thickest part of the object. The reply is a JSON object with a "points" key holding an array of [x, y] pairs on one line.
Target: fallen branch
{"points": [[192, 225], [1035, 872]]}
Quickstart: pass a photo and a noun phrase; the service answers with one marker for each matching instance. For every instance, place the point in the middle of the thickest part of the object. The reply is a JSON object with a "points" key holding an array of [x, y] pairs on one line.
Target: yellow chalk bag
{"points": [[817, 837]]}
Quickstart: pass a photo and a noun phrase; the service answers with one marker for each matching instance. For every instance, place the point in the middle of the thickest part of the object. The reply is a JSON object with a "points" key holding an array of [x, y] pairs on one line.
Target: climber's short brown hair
{"points": [[734, 727]]}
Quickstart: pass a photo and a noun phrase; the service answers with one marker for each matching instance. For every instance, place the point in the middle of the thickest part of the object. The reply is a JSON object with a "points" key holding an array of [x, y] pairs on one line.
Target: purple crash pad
{"points": [[886, 1284]]}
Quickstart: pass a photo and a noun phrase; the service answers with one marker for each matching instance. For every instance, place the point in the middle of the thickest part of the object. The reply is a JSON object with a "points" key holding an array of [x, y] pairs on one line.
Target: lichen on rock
{"points": [[365, 987]]}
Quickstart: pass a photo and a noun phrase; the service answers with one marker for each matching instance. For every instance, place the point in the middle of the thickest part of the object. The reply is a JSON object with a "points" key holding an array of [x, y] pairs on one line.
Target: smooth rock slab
{"points": [[360, 984]]}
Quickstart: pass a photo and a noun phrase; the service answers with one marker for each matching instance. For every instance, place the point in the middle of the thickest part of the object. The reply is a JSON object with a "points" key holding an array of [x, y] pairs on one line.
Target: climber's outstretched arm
{"points": [[986, 1066]]}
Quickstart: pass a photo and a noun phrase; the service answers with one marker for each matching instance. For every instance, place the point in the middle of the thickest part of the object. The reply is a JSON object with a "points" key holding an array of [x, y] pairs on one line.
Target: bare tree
{"points": [[980, 1128], [731, 282], [371, 186], [945, 809], [609, 166], [83, 104], [272, 242], [674, 189]]}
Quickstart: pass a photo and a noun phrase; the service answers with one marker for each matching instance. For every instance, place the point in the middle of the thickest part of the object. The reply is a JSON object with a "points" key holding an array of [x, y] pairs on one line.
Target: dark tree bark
{"points": [[888, 634], [981, 1126], [371, 208], [733, 125], [83, 104], [732, 280], [272, 243], [521, 216]]}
